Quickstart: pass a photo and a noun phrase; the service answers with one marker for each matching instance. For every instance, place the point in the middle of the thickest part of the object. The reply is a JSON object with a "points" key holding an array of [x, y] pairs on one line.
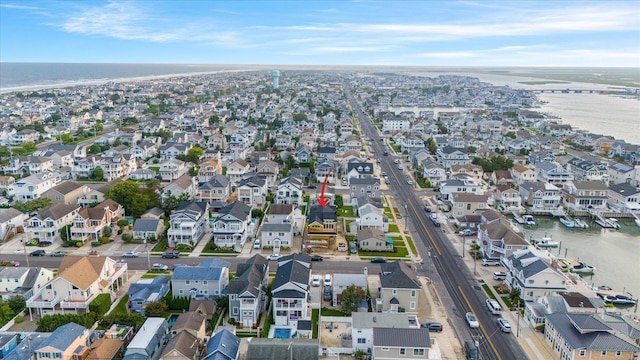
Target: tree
{"points": [[431, 146], [338, 201], [222, 302], [16, 303], [25, 149], [33, 205], [135, 202], [297, 117], [171, 202], [155, 308], [472, 149], [94, 149], [5, 312], [290, 162], [351, 297], [97, 174]]}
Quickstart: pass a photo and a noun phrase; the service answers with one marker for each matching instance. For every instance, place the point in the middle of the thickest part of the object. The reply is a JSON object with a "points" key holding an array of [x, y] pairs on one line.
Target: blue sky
{"points": [[429, 33]]}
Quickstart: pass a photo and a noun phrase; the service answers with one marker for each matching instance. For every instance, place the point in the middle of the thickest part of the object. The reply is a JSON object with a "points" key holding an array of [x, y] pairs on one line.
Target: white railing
{"points": [[78, 304], [42, 303]]}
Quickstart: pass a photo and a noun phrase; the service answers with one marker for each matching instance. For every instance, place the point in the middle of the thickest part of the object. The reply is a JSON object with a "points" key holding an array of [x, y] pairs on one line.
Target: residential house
{"points": [[585, 170], [188, 224], [144, 150], [253, 191], [172, 169], [591, 336], [553, 173], [507, 199], [170, 150], [367, 186], [363, 324], [521, 174], [209, 169], [22, 281], [399, 289], [624, 198], [185, 184], [448, 156], [392, 124], [342, 281], [540, 195], [370, 216], [326, 152], [290, 289], [10, 220], [459, 185], [325, 170], [467, 204], [289, 191], [28, 165], [248, 291], [207, 280], [216, 189], [268, 169], [143, 174], [223, 345], [69, 341], [237, 169], [322, 222], [149, 340], [89, 223], [498, 239], [359, 170], [501, 177], [192, 322], [182, 346], [96, 195], [80, 279], [585, 195], [470, 170], [146, 291], [433, 172], [392, 343], [621, 173], [231, 225], [144, 229], [8, 342], [6, 182], [46, 225], [33, 186], [277, 236], [531, 276]]}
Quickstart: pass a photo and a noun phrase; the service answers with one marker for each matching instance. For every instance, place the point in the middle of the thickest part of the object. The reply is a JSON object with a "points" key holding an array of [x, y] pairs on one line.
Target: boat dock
{"points": [[517, 218]]}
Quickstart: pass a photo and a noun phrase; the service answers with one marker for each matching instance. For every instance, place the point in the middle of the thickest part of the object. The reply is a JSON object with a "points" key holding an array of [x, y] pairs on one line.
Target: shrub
{"points": [[183, 247], [96, 243], [48, 323], [122, 223], [104, 240], [127, 237], [119, 231], [19, 319], [100, 304], [79, 244], [107, 231]]}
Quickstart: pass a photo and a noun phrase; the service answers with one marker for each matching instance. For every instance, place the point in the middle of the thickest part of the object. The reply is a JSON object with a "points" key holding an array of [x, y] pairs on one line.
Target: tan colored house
{"points": [[372, 239], [468, 204], [106, 349], [89, 223], [474, 171], [192, 322], [393, 343], [236, 169], [399, 289], [209, 168], [522, 174], [80, 279], [183, 346], [67, 192], [69, 341]]}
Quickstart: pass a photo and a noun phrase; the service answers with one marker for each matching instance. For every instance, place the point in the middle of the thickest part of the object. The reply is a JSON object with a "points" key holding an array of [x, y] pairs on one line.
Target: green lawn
{"points": [[398, 243], [121, 308], [345, 211], [315, 315], [393, 228], [333, 312], [488, 291], [151, 274], [350, 238], [397, 213], [267, 324], [412, 245], [401, 251], [208, 250]]}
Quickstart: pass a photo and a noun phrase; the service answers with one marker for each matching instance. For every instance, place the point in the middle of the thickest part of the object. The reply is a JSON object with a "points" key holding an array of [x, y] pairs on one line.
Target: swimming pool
{"points": [[282, 333], [172, 319]]}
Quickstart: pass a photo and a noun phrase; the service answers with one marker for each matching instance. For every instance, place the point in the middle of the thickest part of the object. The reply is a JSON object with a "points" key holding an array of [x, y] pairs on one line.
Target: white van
{"points": [[494, 307], [256, 244]]}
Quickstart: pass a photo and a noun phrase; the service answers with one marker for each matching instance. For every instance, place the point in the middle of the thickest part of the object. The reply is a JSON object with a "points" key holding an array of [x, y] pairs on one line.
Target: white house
{"points": [[290, 289], [188, 224], [531, 276], [231, 225]]}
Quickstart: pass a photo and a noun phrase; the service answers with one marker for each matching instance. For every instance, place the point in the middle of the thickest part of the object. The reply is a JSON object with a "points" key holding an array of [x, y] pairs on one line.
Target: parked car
{"points": [[173, 254], [410, 182], [379, 260], [315, 281], [37, 253], [58, 253], [472, 320], [466, 232], [327, 293], [490, 262], [316, 258], [432, 326], [499, 275], [256, 244], [384, 174], [434, 216], [494, 307], [504, 325], [159, 267], [274, 257], [400, 167], [342, 246], [311, 186], [427, 209], [327, 280], [130, 254], [93, 252]]}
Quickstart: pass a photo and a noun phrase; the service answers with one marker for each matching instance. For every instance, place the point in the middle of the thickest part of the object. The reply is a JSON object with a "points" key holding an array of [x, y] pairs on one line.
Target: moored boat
{"points": [[619, 299], [582, 269], [528, 220], [546, 242], [580, 223], [567, 223]]}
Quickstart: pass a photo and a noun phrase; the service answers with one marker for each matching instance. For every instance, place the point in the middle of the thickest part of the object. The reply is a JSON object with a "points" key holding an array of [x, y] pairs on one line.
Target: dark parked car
{"points": [[37, 253], [311, 186], [379, 260], [427, 209], [432, 326], [316, 258], [327, 293], [171, 254]]}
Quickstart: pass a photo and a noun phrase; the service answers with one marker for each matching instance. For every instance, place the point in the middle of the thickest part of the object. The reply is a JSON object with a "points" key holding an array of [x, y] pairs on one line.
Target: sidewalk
{"points": [[401, 228], [201, 245]]}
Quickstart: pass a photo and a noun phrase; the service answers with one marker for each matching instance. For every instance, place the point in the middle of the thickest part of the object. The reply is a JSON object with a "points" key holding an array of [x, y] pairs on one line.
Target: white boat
{"points": [[546, 242], [528, 220], [614, 223], [567, 223], [619, 299], [581, 223], [582, 269]]}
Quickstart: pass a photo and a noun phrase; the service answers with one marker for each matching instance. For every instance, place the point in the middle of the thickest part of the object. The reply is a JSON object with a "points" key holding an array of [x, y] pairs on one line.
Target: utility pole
{"points": [[146, 248]]}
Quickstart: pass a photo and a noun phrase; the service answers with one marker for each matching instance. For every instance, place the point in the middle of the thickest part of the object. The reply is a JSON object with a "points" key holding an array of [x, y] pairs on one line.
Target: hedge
{"points": [[100, 304]]}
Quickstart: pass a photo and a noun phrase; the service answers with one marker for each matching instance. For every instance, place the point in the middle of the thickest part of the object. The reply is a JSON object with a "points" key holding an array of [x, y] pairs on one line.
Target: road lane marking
{"points": [[484, 332]]}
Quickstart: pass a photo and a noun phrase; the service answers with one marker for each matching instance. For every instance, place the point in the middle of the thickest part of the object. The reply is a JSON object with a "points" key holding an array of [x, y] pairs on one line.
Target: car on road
{"points": [[504, 325], [273, 257], [173, 254], [432, 326], [396, 161], [159, 267], [37, 253], [130, 254], [410, 182], [472, 320], [315, 281], [385, 153], [435, 223], [311, 186], [400, 167], [316, 258], [378, 260], [427, 209], [490, 262], [494, 306], [434, 216], [58, 253], [384, 174]]}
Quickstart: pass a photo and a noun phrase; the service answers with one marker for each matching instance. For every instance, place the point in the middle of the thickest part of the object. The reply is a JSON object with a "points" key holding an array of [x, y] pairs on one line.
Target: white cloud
{"points": [[20, 7], [344, 49]]}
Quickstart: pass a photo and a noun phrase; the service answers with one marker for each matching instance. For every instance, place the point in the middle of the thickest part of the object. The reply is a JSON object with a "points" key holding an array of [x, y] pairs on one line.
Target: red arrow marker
{"points": [[322, 201]]}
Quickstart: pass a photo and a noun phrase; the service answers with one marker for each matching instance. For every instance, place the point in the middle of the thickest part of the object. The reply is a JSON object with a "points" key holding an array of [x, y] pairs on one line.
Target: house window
{"points": [[413, 293], [618, 353], [395, 291], [235, 311], [403, 351], [604, 352], [412, 305], [181, 291], [362, 341], [418, 352], [385, 349]]}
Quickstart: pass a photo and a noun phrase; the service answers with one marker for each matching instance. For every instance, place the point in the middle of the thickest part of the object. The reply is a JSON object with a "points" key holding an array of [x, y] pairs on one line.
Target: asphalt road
{"points": [[464, 291]]}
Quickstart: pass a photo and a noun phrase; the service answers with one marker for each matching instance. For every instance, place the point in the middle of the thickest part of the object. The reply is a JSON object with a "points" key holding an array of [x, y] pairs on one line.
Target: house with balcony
{"points": [[531, 276], [24, 136], [147, 291], [22, 281], [188, 224], [80, 279], [33, 186], [359, 170], [370, 216], [89, 223], [364, 187], [144, 150], [470, 170], [69, 341], [253, 192], [290, 289], [624, 198], [185, 184], [498, 239], [433, 172], [170, 150], [207, 280], [459, 185], [585, 170], [467, 204], [621, 173], [585, 195], [231, 225], [541, 195], [399, 289], [507, 199], [365, 322], [67, 192], [268, 169], [28, 164], [325, 169], [448, 156], [172, 169], [46, 225], [237, 169], [216, 189], [322, 223], [209, 169], [289, 191], [521, 174], [248, 291]]}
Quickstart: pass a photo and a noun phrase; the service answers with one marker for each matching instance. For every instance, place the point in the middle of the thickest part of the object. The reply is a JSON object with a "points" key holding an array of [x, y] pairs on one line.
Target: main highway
{"points": [[460, 287]]}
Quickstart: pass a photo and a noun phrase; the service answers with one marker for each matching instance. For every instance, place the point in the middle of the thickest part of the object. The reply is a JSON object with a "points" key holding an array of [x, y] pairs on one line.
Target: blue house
{"points": [[146, 291], [7, 343], [21, 351], [222, 346], [208, 280], [149, 340]]}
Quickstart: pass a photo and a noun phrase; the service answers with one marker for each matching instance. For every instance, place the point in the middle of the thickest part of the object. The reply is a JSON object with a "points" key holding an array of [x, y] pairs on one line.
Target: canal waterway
{"points": [[614, 253]]}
